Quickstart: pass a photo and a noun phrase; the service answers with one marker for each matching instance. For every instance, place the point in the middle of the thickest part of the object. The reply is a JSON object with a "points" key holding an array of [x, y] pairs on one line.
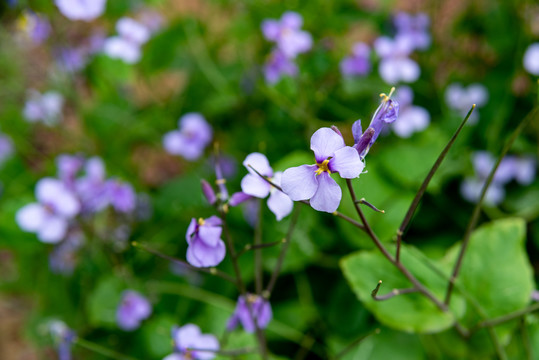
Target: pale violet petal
{"points": [[280, 204], [206, 342], [347, 163], [259, 162], [271, 29], [214, 221], [300, 182], [48, 189], [255, 186], [207, 255], [186, 335], [191, 230], [531, 59], [31, 217], [53, 230], [325, 142], [409, 70], [210, 235], [328, 196]]}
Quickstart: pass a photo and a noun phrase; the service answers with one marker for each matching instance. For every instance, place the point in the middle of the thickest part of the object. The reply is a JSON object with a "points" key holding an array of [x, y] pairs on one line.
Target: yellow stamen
{"points": [[323, 167], [386, 97], [201, 221]]}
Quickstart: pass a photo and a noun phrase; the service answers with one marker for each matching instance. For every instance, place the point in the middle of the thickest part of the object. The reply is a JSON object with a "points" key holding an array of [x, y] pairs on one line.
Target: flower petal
{"points": [[300, 182], [53, 230], [325, 142], [191, 230], [255, 186], [31, 217], [209, 234], [328, 196], [259, 162], [280, 204], [347, 163], [201, 255], [207, 342]]}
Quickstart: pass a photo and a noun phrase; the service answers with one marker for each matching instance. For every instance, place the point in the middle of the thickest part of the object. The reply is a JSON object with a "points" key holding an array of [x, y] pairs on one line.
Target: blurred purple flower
{"points": [[277, 65], [46, 107], [35, 27], [6, 148], [63, 337], [525, 169], [395, 64], [50, 216], [411, 118], [471, 189], [63, 258], [127, 45], [187, 339], [531, 59], [387, 113], [152, 20], [85, 10], [313, 181], [254, 185], [205, 248], [358, 63], [260, 310], [287, 34], [414, 29], [71, 59], [121, 196], [132, 310], [91, 188], [68, 167], [461, 99], [191, 139]]}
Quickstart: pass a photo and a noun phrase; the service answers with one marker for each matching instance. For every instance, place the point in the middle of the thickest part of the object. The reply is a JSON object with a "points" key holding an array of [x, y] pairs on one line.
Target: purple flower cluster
{"points": [[193, 136], [127, 45], [247, 308], [60, 202], [205, 248], [412, 118], [45, 108], [531, 59], [84, 10], [290, 41], [190, 343], [461, 99], [132, 310], [254, 185], [358, 63], [521, 169], [396, 64]]}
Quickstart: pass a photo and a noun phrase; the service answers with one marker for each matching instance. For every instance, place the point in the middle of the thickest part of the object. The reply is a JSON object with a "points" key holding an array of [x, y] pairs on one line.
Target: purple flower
{"points": [[91, 188], [121, 196], [191, 344], [260, 309], [461, 99], [85, 10], [68, 167], [471, 189], [414, 29], [531, 59], [6, 148], [358, 63], [132, 310], [278, 65], [387, 113], [63, 337], [71, 59], [287, 34], [191, 139], [37, 28], [525, 168], [411, 118], [127, 45], [46, 107], [63, 258], [205, 248], [50, 216], [395, 64], [254, 185], [313, 181]]}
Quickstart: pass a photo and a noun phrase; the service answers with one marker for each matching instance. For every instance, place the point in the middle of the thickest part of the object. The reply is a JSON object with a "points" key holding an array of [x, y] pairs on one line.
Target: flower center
{"points": [[323, 167], [201, 221], [386, 97]]}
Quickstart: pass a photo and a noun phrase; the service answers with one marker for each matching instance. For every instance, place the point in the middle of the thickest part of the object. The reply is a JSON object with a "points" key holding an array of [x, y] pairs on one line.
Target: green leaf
{"points": [[408, 312], [389, 344], [103, 302], [496, 272], [157, 336]]}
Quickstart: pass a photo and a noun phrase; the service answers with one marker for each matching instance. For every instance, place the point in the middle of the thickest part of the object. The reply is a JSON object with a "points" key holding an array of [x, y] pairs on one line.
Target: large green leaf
{"points": [[409, 312], [103, 302], [496, 272]]}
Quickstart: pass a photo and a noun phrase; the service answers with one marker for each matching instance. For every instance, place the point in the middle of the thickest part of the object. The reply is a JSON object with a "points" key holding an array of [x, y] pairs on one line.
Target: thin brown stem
{"points": [[424, 185], [250, 247], [416, 284], [393, 293], [355, 343], [477, 209], [508, 317], [211, 270]]}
